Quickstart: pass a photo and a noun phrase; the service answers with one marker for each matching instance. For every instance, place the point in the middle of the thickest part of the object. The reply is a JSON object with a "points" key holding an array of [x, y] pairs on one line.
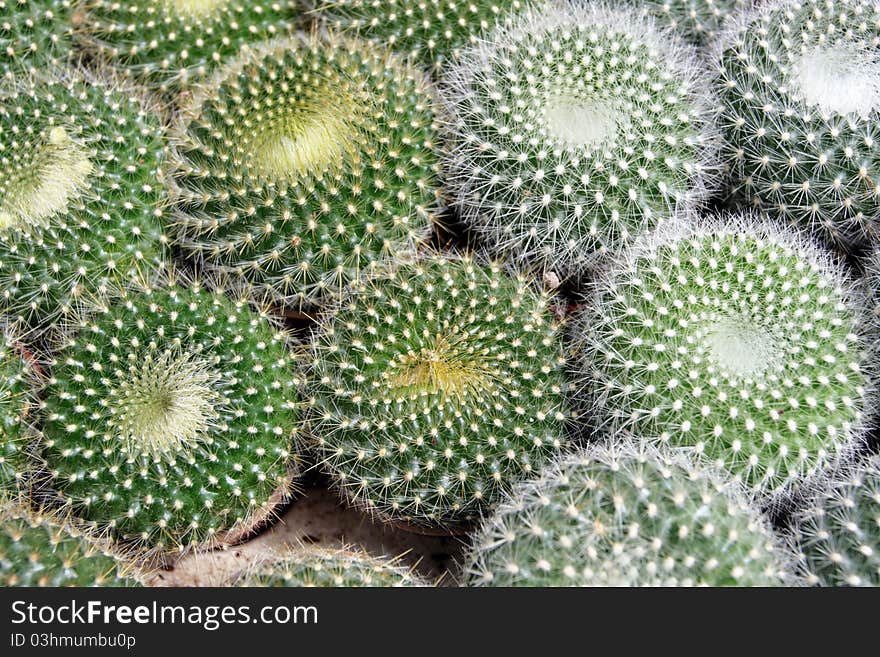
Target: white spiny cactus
{"points": [[736, 338], [574, 128]]}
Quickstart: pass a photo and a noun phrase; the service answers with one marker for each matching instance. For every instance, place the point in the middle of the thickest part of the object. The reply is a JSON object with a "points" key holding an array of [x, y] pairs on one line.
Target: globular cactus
{"points": [[170, 44], [49, 550], [572, 130], [432, 32], [33, 34], [435, 386], [838, 531], [171, 418], [700, 21], [80, 199], [303, 164], [799, 101], [19, 383], [737, 338], [314, 567], [627, 515]]}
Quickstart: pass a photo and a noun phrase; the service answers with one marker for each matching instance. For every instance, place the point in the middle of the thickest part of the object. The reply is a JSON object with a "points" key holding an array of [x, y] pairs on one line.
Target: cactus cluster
{"points": [[435, 386], [573, 129], [799, 99], [173, 43], [734, 337], [627, 515], [432, 32], [51, 551], [304, 164], [328, 568], [80, 192], [838, 532], [33, 34], [430, 249], [171, 417]]}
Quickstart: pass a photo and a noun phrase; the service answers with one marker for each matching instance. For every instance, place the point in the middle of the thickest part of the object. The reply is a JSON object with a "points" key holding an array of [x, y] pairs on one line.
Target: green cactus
{"points": [[435, 385], [51, 551], [327, 167], [173, 43], [700, 21], [33, 34], [19, 383], [627, 515], [431, 32], [838, 532], [171, 418], [328, 568], [736, 338], [798, 85], [561, 162], [79, 195]]}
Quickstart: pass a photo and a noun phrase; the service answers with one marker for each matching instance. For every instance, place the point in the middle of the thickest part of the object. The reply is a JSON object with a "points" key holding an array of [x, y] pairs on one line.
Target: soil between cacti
{"points": [[317, 517]]}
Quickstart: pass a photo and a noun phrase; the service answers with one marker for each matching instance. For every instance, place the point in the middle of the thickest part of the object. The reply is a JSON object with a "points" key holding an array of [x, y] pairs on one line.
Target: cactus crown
{"points": [[436, 384], [627, 515], [327, 168], [742, 340], [79, 197], [799, 83], [573, 129], [431, 32], [51, 551], [49, 172], [328, 568], [172, 43], [839, 531], [171, 416]]}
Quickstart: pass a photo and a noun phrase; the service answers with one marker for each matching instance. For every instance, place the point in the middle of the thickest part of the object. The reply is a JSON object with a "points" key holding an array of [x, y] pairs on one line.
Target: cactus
{"points": [[327, 167], [435, 385], [432, 32], [171, 418], [736, 338], [33, 34], [79, 194], [838, 532], [328, 568], [170, 44], [700, 21], [627, 515], [797, 82], [19, 382], [49, 550], [560, 163]]}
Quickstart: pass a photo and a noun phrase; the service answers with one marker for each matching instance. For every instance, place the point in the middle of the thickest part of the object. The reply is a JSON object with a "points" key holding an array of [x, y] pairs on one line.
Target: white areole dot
{"points": [[842, 80]]}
